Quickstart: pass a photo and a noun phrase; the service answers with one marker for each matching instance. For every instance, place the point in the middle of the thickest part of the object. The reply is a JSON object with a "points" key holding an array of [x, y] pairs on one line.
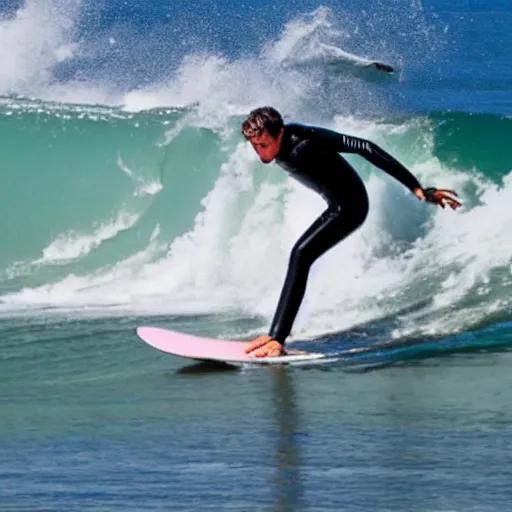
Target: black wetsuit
{"points": [[310, 155]]}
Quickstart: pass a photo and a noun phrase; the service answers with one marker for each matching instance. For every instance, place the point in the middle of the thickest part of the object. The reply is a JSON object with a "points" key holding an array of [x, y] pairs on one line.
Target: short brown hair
{"points": [[261, 119]]}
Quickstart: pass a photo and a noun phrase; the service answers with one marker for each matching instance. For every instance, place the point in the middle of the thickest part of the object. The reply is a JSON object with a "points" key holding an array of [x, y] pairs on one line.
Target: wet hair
{"points": [[260, 120]]}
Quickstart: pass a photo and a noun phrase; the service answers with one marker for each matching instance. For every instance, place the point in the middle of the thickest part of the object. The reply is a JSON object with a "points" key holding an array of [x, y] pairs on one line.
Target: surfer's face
{"points": [[267, 146]]}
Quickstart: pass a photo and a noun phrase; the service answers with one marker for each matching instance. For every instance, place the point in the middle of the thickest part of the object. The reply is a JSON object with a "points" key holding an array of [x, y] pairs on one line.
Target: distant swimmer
{"points": [[334, 55], [386, 68], [311, 155], [327, 54]]}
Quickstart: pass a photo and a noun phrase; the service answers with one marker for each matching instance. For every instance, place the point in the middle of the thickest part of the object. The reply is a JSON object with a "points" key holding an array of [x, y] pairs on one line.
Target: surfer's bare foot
{"points": [[264, 346]]}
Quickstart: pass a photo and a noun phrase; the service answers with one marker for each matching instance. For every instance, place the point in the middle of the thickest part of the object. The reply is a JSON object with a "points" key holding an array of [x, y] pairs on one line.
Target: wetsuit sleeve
{"points": [[368, 150]]}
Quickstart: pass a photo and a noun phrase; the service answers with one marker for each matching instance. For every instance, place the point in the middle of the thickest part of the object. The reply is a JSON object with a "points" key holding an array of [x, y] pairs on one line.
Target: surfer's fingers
{"points": [[446, 191], [253, 346], [444, 198], [270, 349], [260, 352], [447, 195], [453, 203], [256, 353], [257, 343]]}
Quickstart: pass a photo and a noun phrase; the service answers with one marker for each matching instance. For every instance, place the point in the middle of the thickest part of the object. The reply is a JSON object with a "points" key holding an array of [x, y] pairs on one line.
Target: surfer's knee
{"points": [[300, 256]]}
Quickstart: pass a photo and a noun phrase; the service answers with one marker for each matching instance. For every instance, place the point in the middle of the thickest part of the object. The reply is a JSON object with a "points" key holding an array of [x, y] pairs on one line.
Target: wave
{"points": [[215, 232], [473, 141], [51, 53]]}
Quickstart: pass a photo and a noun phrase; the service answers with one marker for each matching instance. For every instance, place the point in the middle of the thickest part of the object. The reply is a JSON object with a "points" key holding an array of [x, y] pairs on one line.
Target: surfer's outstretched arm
{"points": [[377, 156], [370, 151]]}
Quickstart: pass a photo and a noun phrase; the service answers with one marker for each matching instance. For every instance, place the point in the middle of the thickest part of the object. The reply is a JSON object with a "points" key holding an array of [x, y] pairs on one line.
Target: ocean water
{"points": [[128, 197]]}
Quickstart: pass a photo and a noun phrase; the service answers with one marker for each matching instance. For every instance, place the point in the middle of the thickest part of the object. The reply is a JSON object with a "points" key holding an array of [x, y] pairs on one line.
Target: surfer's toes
{"points": [[270, 349]]}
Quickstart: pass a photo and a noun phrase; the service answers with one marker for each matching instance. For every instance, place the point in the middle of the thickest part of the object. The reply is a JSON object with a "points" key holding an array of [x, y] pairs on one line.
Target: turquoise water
{"points": [[128, 198]]}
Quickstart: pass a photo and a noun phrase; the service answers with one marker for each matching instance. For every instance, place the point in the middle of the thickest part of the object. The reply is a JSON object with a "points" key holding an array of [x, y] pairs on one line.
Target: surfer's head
{"points": [[264, 130]]}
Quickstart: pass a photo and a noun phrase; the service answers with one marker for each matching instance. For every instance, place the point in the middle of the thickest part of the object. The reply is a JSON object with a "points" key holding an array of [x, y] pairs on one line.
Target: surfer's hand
{"points": [[264, 346], [438, 196]]}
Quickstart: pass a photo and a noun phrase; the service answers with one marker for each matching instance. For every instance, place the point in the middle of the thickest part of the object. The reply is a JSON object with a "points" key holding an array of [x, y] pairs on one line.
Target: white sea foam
{"points": [[41, 36], [75, 244], [143, 187]]}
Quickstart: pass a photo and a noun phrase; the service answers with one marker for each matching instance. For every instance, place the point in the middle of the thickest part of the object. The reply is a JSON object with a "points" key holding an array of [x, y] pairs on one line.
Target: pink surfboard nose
{"points": [[195, 347]]}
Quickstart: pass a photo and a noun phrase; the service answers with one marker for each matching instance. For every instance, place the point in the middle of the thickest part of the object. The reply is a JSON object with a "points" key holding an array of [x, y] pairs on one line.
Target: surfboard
{"points": [[223, 351]]}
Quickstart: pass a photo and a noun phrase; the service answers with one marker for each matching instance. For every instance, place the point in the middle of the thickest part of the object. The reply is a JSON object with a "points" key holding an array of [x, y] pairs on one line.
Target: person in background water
{"points": [[311, 155]]}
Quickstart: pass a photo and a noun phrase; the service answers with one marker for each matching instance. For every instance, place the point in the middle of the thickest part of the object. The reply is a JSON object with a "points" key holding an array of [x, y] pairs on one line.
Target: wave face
{"points": [[127, 187]]}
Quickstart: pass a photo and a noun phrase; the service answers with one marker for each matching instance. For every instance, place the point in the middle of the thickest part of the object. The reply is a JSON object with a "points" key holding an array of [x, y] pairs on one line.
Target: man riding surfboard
{"points": [[311, 155]]}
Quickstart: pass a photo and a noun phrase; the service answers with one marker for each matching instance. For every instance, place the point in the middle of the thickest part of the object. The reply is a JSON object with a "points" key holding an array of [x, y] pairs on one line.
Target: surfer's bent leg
{"points": [[330, 228]]}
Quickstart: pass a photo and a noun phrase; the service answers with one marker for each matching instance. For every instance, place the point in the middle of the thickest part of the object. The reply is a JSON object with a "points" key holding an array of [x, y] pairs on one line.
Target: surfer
{"points": [[311, 155]]}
